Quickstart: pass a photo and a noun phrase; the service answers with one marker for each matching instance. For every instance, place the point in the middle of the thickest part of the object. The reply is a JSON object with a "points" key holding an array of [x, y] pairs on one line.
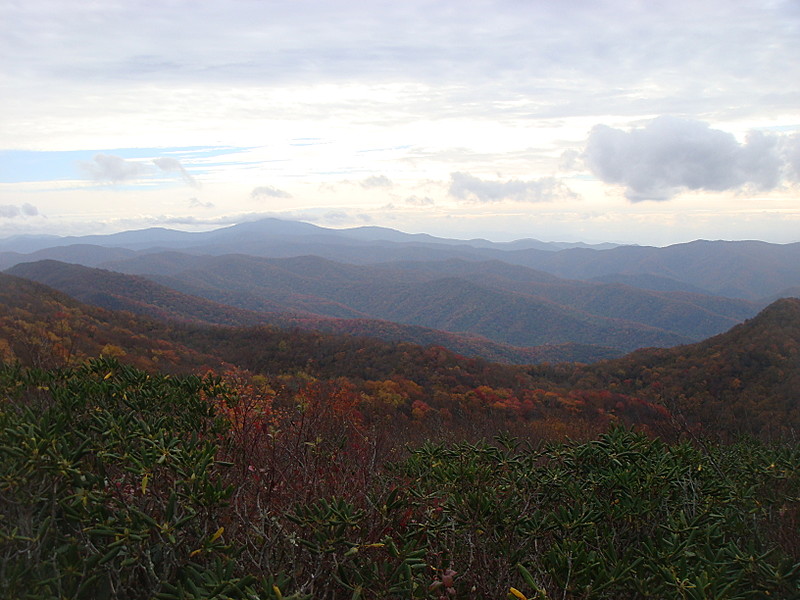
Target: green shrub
{"points": [[116, 483], [109, 487]]}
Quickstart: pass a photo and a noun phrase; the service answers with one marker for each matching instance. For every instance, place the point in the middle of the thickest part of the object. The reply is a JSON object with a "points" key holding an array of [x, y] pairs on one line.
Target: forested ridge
{"points": [[143, 458], [493, 302], [743, 381]]}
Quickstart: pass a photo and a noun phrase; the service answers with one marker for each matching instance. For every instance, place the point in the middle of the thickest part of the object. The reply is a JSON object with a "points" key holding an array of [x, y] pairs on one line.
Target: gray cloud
{"points": [[468, 187], [669, 155], [29, 210], [266, 191], [172, 165], [11, 211], [376, 181], [107, 167]]}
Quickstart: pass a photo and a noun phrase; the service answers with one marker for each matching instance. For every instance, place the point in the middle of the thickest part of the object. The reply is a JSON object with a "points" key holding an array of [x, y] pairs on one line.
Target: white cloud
{"points": [[670, 155], [376, 181], [468, 187], [267, 191], [115, 169]]}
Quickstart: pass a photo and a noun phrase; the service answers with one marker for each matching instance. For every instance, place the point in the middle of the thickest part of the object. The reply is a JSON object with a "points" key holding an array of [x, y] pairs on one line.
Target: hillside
{"points": [[44, 328], [142, 296], [84, 254], [748, 269], [745, 380], [506, 303], [117, 291]]}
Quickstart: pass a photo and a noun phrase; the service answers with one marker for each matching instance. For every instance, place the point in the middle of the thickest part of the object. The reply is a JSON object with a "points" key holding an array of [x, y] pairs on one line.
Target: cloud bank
{"points": [[671, 155], [470, 188]]}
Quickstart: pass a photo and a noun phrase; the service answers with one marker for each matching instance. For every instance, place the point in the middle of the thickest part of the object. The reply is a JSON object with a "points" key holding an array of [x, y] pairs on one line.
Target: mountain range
{"points": [[524, 301], [744, 269]]}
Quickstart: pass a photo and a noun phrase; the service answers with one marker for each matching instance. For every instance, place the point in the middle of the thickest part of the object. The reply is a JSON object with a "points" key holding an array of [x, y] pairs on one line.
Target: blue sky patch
{"points": [[18, 166]]}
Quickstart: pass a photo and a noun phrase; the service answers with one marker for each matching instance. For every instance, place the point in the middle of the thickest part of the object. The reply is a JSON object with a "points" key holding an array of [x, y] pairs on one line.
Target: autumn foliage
{"points": [[118, 483], [141, 459]]}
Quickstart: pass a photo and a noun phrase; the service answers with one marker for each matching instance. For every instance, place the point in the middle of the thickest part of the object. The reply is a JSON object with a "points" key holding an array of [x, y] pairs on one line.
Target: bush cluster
{"points": [[116, 483]]}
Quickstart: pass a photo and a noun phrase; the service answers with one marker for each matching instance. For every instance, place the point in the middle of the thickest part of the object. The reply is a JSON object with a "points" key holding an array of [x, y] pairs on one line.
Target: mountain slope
{"points": [[746, 379], [746, 269], [42, 327], [84, 254], [695, 316], [118, 291], [483, 299]]}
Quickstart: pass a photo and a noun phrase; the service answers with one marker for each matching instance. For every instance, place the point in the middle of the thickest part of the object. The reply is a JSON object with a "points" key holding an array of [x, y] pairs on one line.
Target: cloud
{"points": [[468, 187], [195, 203], [570, 161], [172, 165], [417, 201], [107, 167], [376, 181], [336, 217], [11, 211], [115, 169], [670, 155], [790, 150], [29, 210], [266, 191]]}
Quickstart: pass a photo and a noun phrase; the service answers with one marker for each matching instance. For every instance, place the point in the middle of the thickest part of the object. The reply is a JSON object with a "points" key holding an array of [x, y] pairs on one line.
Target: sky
{"points": [[621, 121]]}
